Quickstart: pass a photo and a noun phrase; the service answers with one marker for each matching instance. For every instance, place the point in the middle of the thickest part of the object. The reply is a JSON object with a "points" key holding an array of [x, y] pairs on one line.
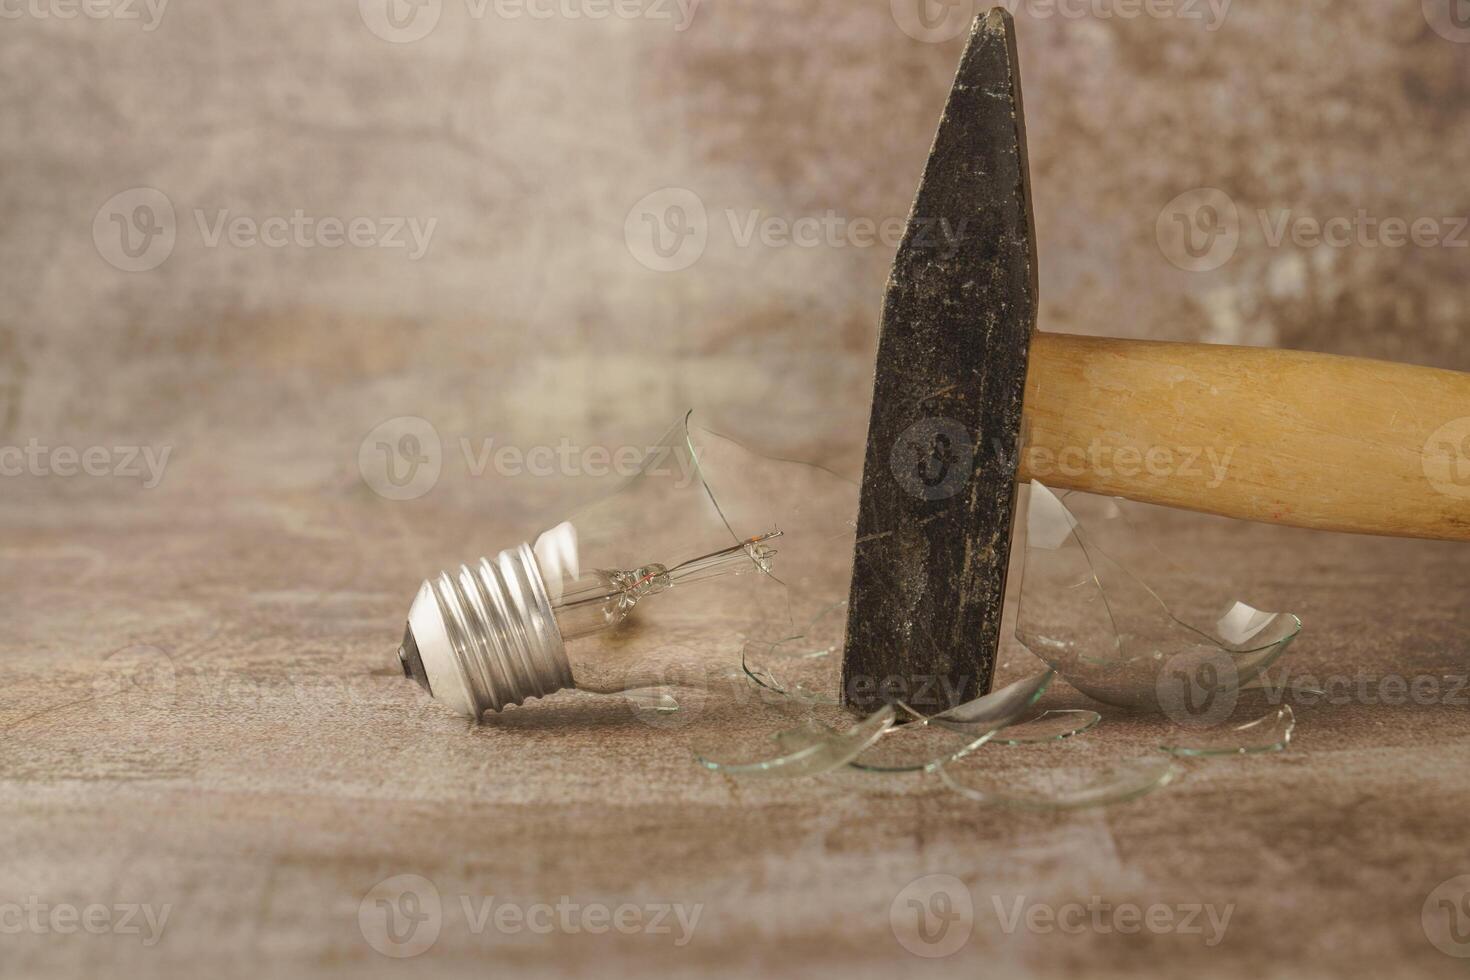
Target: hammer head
{"points": [[939, 477]]}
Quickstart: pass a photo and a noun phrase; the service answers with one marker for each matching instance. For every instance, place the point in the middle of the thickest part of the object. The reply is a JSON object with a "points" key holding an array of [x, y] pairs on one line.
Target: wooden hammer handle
{"points": [[1286, 437]]}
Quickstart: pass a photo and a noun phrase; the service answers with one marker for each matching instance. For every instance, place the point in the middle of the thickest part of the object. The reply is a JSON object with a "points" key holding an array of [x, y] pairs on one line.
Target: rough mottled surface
{"points": [[202, 709], [939, 477], [294, 770]]}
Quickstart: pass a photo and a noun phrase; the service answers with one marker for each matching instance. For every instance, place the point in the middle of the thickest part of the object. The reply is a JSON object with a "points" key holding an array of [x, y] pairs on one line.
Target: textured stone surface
{"points": [[264, 815], [268, 766]]}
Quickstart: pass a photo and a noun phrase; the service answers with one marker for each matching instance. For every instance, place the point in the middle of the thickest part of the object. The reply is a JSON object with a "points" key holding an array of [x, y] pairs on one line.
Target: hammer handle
{"points": [[1285, 437]]}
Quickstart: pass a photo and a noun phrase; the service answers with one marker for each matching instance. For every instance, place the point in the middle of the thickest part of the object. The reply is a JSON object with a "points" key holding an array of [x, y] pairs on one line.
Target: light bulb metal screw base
{"points": [[484, 637]]}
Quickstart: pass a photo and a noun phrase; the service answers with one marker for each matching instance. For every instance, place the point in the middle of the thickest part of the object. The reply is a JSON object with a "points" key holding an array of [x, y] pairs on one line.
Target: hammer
{"points": [[968, 399]]}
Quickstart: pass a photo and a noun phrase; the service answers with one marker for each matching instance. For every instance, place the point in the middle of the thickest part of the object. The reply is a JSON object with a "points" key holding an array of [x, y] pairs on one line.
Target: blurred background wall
{"points": [[255, 231]]}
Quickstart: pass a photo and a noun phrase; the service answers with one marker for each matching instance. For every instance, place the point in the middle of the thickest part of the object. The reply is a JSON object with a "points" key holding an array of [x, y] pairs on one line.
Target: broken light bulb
{"points": [[585, 604]]}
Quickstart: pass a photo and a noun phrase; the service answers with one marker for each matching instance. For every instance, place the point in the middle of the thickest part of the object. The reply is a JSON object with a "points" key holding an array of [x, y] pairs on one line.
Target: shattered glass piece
{"points": [[1091, 618], [997, 709], [1042, 785], [1049, 726], [809, 750], [708, 542], [805, 665], [652, 699], [1271, 733], [925, 743]]}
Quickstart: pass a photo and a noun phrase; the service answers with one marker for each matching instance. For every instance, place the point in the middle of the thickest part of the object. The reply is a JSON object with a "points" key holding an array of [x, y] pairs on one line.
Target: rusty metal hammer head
{"points": [[939, 476]]}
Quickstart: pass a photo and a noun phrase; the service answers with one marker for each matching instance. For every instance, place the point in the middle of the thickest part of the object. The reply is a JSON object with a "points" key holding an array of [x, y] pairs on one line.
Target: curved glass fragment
{"points": [[806, 751], [1106, 631], [925, 743], [805, 665], [1043, 778], [1049, 726], [1271, 733]]}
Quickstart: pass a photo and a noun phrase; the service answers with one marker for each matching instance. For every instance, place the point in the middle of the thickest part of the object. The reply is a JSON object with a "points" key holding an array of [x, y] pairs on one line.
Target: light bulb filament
{"points": [[716, 561], [607, 596]]}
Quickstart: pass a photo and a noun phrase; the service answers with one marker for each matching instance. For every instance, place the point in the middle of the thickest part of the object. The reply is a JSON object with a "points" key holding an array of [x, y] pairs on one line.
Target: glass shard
{"points": [[809, 750], [924, 743], [997, 709], [1049, 726], [806, 664], [1090, 617], [1031, 778], [1271, 733], [652, 699]]}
